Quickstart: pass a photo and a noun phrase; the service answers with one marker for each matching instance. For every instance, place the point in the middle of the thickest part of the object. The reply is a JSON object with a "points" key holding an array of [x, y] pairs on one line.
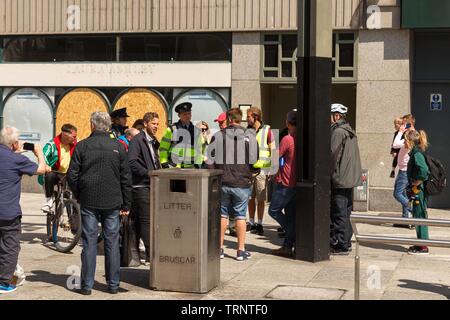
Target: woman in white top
{"points": [[401, 182]]}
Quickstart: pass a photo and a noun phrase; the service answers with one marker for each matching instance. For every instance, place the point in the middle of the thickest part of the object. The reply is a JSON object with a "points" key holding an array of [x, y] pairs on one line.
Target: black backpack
{"points": [[437, 181]]}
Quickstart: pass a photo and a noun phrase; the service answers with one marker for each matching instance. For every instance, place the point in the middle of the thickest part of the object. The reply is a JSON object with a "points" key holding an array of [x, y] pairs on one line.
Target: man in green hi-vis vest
{"points": [[181, 145]]}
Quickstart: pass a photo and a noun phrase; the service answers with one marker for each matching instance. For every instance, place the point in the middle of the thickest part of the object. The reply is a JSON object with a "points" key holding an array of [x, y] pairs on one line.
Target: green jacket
{"points": [[417, 166], [51, 157]]}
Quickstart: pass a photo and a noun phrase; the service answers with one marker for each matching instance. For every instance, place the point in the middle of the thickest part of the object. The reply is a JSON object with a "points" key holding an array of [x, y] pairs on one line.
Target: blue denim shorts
{"points": [[235, 199]]}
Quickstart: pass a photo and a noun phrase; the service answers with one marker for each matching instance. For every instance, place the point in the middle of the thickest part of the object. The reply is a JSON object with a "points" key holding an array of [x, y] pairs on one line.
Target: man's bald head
{"points": [[131, 133]]}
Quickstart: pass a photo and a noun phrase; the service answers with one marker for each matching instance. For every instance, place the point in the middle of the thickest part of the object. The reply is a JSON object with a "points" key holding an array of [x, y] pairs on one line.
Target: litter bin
{"points": [[185, 230]]}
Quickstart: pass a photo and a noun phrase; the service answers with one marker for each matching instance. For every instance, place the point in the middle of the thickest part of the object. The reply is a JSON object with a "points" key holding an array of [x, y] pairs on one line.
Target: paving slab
{"points": [[264, 277], [305, 293]]}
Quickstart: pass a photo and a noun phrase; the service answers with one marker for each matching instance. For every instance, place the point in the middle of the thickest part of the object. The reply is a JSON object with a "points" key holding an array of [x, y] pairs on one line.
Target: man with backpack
{"points": [[346, 174]]}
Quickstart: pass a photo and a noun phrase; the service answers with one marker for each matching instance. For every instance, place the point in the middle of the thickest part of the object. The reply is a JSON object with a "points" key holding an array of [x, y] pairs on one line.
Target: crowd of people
{"points": [[119, 159], [408, 149]]}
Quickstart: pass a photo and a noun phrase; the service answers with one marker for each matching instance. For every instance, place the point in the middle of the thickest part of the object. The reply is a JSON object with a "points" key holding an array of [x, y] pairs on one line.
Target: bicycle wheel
{"points": [[67, 227]]}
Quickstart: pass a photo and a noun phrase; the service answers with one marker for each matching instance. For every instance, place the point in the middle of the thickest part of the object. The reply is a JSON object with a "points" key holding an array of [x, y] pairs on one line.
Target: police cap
{"points": [[120, 113], [183, 107]]}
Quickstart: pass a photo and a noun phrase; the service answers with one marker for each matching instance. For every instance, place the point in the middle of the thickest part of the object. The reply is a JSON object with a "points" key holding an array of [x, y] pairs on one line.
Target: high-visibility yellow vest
{"points": [[183, 155], [264, 160]]}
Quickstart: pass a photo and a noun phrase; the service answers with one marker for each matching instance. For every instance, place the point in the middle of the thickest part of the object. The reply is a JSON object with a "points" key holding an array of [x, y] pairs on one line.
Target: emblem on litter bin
{"points": [[177, 233]]}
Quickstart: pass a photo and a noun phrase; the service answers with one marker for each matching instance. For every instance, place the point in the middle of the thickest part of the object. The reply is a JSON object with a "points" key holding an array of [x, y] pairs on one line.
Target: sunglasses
{"points": [[204, 130]]}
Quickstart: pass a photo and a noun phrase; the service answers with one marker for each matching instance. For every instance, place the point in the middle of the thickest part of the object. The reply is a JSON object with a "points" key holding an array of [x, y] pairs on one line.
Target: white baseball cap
{"points": [[339, 108]]}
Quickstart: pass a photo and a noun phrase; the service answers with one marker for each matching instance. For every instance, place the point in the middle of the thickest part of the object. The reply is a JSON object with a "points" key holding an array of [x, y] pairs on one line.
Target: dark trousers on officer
{"points": [[341, 209], [9, 249], [140, 211]]}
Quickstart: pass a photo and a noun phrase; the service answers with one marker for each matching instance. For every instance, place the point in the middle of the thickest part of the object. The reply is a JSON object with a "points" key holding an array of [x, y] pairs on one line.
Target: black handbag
{"points": [[129, 254]]}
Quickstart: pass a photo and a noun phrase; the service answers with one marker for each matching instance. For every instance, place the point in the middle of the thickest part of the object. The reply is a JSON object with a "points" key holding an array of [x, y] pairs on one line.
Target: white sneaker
{"points": [[48, 205], [19, 277]]}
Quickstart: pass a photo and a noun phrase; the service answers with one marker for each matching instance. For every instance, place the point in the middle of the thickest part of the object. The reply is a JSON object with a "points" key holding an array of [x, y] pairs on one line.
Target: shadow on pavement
{"points": [[270, 236], [32, 237], [385, 247], [136, 277], [60, 280], [429, 287]]}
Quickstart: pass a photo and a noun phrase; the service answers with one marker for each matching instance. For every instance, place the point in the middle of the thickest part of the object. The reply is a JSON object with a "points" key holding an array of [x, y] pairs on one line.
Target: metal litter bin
{"points": [[185, 230]]}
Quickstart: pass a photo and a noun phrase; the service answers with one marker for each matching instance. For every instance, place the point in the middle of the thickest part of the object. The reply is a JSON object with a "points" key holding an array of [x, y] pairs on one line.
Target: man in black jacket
{"points": [[99, 176], [235, 150], [143, 157]]}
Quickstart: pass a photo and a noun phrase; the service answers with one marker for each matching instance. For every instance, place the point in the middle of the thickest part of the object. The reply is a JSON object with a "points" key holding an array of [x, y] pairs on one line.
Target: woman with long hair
{"points": [[418, 173]]}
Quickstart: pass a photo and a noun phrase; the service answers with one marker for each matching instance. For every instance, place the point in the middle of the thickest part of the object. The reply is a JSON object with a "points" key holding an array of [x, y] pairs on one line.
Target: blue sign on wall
{"points": [[436, 102]]}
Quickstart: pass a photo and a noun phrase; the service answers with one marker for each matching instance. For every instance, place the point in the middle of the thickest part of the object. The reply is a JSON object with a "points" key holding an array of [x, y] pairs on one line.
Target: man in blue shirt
{"points": [[13, 166]]}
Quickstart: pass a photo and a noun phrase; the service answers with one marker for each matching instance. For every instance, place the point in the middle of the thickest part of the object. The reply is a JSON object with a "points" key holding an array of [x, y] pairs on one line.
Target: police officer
{"points": [[119, 120], [181, 145]]}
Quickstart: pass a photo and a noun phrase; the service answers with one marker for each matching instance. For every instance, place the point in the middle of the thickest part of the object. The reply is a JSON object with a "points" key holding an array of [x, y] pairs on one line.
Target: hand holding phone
{"points": [[28, 146]]}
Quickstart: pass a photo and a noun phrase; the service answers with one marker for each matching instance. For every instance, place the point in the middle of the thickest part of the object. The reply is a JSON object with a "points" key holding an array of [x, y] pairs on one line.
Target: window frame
{"points": [[293, 79]]}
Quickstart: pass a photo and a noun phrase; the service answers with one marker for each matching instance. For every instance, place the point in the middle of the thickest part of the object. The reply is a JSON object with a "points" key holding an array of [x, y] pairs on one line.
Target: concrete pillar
{"points": [[246, 66], [383, 93]]}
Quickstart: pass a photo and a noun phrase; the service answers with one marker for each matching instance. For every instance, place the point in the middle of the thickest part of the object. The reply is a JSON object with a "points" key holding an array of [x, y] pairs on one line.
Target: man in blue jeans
{"points": [[100, 178], [226, 149], [285, 192]]}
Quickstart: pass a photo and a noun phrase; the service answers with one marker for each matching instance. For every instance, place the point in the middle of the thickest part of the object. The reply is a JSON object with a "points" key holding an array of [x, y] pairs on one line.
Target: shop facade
{"points": [[151, 55]]}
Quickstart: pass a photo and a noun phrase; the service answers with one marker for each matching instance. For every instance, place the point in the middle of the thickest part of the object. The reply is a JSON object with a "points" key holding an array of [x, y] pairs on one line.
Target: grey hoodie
{"points": [[346, 162]]}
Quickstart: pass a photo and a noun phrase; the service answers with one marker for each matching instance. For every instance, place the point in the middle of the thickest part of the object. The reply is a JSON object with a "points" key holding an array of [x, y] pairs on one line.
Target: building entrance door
{"points": [[431, 97], [436, 123]]}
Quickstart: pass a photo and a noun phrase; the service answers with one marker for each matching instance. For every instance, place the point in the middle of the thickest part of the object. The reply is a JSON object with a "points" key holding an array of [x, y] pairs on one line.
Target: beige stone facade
{"points": [[383, 79]]}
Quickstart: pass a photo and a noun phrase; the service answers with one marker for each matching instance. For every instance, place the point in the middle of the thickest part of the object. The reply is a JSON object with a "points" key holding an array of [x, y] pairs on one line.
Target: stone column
{"points": [[383, 93], [246, 87]]}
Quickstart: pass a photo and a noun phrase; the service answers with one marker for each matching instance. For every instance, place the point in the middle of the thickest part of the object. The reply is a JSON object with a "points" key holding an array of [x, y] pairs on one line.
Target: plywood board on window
{"points": [[76, 108], [140, 101]]}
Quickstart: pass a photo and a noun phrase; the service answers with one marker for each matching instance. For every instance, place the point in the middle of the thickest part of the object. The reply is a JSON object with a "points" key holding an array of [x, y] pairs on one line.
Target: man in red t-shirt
{"points": [[284, 194]]}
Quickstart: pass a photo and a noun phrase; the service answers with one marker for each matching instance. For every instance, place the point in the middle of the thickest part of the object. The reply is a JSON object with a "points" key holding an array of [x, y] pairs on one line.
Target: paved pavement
{"points": [[264, 277]]}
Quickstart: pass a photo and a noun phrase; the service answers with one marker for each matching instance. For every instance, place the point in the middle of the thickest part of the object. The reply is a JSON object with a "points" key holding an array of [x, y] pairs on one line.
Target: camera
{"points": [[28, 146]]}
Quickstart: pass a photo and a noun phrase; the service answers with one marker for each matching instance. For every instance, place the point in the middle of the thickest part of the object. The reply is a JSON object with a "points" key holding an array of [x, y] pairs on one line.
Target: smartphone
{"points": [[408, 126], [28, 146]]}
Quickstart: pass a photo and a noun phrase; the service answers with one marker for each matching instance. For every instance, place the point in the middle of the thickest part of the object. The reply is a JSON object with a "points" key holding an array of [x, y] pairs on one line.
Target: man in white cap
{"points": [[345, 175]]}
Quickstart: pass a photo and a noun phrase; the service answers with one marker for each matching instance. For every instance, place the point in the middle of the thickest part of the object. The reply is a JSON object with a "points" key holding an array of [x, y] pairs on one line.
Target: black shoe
{"points": [[403, 226], [339, 251], [113, 290], [258, 229], [84, 292], [251, 228], [418, 250], [284, 252]]}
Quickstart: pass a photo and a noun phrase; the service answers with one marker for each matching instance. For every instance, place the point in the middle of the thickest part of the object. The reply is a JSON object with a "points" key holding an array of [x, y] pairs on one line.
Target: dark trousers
{"points": [[284, 199], [140, 211], [110, 227], [9, 249], [341, 209], [51, 179]]}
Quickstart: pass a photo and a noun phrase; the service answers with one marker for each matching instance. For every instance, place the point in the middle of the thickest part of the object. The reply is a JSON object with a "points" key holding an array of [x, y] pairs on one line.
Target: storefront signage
{"points": [[30, 136]]}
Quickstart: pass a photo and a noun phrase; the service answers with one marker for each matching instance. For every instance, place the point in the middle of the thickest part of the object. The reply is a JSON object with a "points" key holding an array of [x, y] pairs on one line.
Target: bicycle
{"points": [[64, 219]]}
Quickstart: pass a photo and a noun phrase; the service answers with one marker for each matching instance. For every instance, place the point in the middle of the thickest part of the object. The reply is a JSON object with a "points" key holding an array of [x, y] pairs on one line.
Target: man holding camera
{"points": [[14, 166]]}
